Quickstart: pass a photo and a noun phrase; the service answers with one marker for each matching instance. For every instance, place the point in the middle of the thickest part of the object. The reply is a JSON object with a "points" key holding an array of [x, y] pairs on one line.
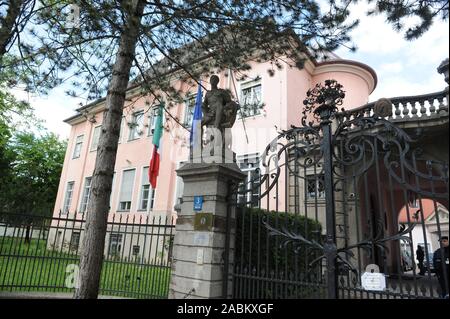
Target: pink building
{"points": [[268, 103]]}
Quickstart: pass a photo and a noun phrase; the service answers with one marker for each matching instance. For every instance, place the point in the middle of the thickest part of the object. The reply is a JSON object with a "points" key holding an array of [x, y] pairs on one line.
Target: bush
{"points": [[268, 258]]}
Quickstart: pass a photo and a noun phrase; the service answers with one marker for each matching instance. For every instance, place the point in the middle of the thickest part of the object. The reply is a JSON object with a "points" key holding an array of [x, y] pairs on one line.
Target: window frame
{"points": [[127, 207], [258, 108], [153, 114], [317, 178], [95, 140], [188, 115], [254, 158], [68, 199], [118, 243], [71, 244], [133, 249], [76, 145], [133, 134], [121, 129], [151, 193], [83, 195]]}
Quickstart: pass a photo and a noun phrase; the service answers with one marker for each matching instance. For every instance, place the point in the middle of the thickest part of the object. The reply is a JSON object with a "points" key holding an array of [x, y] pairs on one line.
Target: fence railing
{"points": [[39, 253], [406, 107]]}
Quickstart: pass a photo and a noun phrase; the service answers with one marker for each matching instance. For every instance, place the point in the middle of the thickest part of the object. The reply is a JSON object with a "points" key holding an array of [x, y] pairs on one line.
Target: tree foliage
{"points": [[172, 35], [30, 167], [424, 12]]}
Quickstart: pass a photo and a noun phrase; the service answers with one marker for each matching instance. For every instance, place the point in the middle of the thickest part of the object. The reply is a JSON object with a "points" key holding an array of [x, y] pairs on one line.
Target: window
{"points": [[115, 244], [113, 188], [147, 198], [189, 111], [251, 102], [126, 190], [75, 241], [152, 115], [77, 148], [86, 194], [136, 250], [122, 123], [95, 138], [249, 189], [179, 188], [68, 197], [136, 126], [58, 239], [315, 186], [414, 203]]}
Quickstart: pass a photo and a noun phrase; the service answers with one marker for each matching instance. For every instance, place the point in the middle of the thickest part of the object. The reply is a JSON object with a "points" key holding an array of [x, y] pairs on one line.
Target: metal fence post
{"points": [[323, 101], [330, 249]]}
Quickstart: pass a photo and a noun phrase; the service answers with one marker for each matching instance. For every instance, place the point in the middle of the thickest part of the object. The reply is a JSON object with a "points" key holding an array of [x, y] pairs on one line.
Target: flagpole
{"points": [[237, 97]]}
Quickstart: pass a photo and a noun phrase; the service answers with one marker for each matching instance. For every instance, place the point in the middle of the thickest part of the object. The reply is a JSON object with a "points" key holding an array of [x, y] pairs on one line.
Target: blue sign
{"points": [[198, 203]]}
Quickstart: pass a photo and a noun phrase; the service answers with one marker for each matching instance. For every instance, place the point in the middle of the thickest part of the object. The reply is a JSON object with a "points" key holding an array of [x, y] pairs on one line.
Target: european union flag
{"points": [[196, 127]]}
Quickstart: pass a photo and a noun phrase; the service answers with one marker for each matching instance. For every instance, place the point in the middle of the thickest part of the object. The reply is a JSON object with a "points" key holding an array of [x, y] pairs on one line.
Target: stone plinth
{"points": [[199, 247]]}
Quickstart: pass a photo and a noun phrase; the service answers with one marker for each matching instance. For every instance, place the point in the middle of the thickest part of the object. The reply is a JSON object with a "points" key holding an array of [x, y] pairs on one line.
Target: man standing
{"points": [[440, 262], [420, 255]]}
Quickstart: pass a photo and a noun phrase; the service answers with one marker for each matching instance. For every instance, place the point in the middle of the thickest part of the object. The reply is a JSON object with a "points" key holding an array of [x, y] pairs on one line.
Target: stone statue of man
{"points": [[219, 111], [219, 114]]}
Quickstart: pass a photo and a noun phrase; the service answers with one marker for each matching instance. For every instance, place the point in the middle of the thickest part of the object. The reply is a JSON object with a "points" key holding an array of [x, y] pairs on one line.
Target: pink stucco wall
{"points": [[282, 95]]}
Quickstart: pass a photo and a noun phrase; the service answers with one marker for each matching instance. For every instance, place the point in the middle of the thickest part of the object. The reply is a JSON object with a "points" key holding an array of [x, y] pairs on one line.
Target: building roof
{"points": [[415, 216], [166, 67]]}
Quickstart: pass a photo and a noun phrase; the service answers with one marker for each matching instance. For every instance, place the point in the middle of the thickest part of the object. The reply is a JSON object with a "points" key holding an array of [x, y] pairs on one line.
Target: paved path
{"points": [[44, 295]]}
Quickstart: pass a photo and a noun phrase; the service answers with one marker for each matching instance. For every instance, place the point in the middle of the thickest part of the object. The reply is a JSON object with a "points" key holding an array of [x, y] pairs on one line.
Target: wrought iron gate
{"points": [[344, 191]]}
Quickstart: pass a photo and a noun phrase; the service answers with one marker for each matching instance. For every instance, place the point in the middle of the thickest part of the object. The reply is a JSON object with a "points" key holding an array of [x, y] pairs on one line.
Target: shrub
{"points": [[264, 257]]}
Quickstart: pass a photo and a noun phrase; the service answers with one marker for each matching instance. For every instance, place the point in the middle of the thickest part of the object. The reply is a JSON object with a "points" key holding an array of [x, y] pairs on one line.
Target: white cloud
{"points": [[392, 86], [403, 67], [394, 67], [52, 109]]}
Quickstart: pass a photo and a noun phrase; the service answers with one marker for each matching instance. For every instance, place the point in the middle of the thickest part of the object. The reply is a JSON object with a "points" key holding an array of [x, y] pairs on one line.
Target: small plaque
{"points": [[198, 203], [201, 239], [203, 221], [373, 281]]}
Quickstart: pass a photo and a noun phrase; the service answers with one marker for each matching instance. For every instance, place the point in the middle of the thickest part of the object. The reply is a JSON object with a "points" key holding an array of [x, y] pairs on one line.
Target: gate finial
{"points": [[323, 100]]}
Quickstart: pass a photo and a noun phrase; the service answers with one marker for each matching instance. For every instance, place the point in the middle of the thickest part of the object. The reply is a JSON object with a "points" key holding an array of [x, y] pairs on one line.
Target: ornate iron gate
{"points": [[344, 191]]}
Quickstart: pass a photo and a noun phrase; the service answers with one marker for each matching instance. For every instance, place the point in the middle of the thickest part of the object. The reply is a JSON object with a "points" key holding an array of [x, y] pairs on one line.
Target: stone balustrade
{"points": [[404, 108]]}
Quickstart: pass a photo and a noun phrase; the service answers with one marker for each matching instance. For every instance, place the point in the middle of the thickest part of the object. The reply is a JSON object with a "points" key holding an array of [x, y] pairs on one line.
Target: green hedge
{"points": [[266, 258]]}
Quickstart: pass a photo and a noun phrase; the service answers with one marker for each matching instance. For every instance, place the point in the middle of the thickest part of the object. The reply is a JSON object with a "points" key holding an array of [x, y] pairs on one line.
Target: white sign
{"points": [[201, 239], [373, 281]]}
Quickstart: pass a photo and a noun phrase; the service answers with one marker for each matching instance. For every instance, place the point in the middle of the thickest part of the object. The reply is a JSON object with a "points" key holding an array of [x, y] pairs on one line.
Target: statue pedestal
{"points": [[200, 253], [228, 158]]}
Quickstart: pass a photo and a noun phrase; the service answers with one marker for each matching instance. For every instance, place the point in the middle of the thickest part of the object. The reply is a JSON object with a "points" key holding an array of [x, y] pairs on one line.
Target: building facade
{"points": [[269, 103]]}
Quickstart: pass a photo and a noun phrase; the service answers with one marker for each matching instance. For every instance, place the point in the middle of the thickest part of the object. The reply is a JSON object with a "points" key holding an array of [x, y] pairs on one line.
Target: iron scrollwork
{"points": [[358, 143]]}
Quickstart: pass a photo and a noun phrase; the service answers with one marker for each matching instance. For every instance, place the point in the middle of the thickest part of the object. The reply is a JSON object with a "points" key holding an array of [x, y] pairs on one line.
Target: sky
{"points": [[403, 67]]}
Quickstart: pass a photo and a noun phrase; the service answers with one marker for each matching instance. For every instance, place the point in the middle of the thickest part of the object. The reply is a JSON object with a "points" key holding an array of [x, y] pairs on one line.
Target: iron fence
{"points": [[42, 254], [345, 195]]}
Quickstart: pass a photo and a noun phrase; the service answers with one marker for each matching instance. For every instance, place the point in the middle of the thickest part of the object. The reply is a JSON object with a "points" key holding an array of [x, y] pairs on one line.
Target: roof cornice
{"points": [[340, 65]]}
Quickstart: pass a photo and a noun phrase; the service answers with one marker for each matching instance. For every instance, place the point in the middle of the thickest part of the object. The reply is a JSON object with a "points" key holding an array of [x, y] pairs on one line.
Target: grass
{"points": [[33, 267]]}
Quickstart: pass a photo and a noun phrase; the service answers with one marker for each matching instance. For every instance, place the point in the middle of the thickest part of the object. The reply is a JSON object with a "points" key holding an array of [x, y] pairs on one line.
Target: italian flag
{"points": [[153, 170]]}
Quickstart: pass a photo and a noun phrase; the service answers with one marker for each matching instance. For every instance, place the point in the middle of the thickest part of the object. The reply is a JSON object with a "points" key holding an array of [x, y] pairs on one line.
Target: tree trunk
{"points": [[8, 25], [98, 209]]}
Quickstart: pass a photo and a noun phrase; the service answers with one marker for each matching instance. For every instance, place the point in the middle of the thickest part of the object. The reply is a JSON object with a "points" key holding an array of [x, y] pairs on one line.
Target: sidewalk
{"points": [[44, 295]]}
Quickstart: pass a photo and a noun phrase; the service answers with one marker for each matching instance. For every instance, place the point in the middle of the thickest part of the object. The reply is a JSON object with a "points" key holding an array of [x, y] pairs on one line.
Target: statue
{"points": [[219, 115], [219, 111]]}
